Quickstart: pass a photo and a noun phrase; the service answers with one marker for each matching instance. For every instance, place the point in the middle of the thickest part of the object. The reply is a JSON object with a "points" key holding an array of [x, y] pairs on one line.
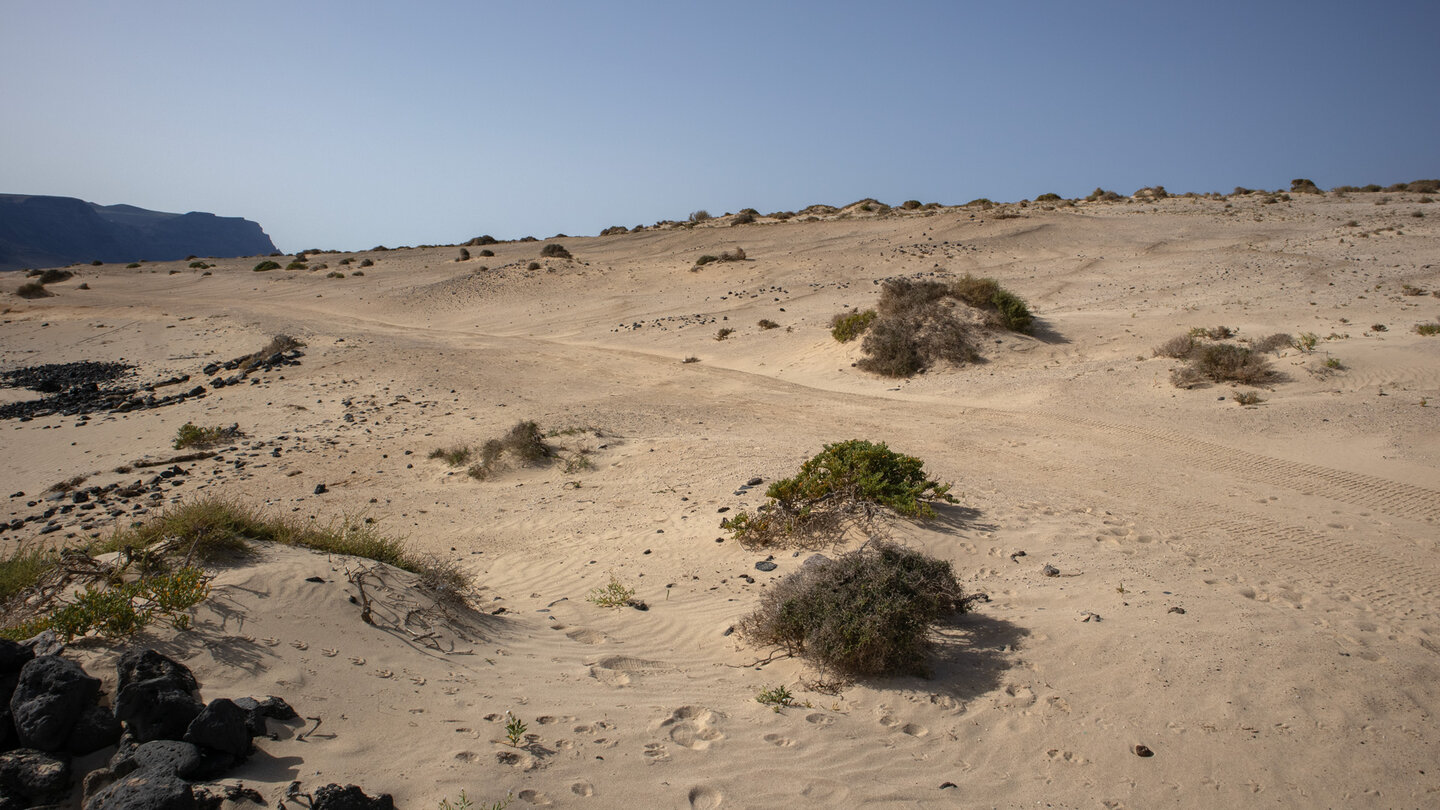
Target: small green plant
{"points": [[1306, 341], [132, 265], [1427, 329], [338, 274], [266, 265], [1247, 398], [723, 333], [777, 697], [842, 484], [121, 610], [514, 729], [1334, 363], [611, 595], [200, 266], [847, 326], [464, 803], [191, 435]]}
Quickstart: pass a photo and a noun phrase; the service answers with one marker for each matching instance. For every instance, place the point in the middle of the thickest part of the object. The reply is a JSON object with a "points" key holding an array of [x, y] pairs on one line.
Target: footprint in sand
{"points": [[299, 645], [467, 756], [692, 727], [271, 642], [915, 730], [534, 797], [779, 741], [656, 752], [582, 789], [329, 653], [357, 661], [585, 635], [820, 719], [383, 673], [704, 797], [616, 670]]}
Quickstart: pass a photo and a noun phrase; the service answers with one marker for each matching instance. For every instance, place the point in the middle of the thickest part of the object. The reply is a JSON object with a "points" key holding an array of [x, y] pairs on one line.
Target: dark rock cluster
{"points": [[87, 508], [89, 386], [167, 741]]}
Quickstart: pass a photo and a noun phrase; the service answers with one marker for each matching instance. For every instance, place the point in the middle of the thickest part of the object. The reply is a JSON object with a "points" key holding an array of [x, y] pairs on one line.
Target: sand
{"points": [[1250, 592]]}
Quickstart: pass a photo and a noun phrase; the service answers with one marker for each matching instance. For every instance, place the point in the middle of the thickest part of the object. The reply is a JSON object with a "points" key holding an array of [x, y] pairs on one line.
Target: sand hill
{"points": [[1248, 591]]}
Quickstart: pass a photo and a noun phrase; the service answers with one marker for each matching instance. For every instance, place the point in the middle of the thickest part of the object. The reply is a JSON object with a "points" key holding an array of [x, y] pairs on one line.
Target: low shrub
{"points": [[487, 252], [612, 595], [846, 326], [367, 262], [555, 250], [1049, 197], [868, 612], [1179, 347], [200, 266], [1247, 398], [296, 266], [464, 255], [1273, 343], [700, 215], [1427, 329], [1224, 362], [845, 483], [457, 456], [33, 289], [743, 218], [723, 333], [190, 435], [766, 323], [266, 265], [1101, 195], [524, 445], [533, 266], [338, 274], [54, 275]]}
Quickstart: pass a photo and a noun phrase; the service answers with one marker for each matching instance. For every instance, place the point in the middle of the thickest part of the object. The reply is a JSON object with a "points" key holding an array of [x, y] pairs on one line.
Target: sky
{"points": [[344, 125]]}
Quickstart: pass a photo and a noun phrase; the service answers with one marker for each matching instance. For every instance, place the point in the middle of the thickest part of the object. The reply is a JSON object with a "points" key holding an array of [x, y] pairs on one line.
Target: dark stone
{"points": [[755, 482], [172, 757], [321, 489], [765, 565], [97, 728], [350, 797], [8, 738], [222, 726], [216, 797], [145, 790], [156, 710], [146, 664], [46, 643], [48, 700], [34, 776], [13, 656]]}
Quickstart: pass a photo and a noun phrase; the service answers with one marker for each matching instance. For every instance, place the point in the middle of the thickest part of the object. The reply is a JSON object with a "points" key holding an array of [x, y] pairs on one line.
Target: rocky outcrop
{"points": [[38, 231]]}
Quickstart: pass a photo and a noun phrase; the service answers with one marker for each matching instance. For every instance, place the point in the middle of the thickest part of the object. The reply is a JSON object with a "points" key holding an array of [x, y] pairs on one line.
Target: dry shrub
{"points": [[868, 612], [918, 324], [33, 289], [54, 275], [555, 250], [524, 444], [1179, 347], [1224, 362], [1273, 343]]}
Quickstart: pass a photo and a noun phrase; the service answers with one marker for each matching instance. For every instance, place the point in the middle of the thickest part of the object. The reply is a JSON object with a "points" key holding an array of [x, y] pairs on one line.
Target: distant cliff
{"points": [[40, 231]]}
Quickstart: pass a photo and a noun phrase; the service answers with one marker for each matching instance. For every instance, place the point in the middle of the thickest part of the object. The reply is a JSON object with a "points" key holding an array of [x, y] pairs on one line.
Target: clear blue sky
{"points": [[355, 123]]}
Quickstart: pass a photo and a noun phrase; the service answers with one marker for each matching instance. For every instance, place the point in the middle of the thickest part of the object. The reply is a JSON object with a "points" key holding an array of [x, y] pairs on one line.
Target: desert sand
{"points": [[1297, 538]]}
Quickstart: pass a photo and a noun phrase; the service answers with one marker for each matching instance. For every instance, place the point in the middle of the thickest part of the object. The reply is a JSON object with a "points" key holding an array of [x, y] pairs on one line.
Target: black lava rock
{"points": [[350, 797], [97, 728], [13, 656], [222, 726], [49, 698], [172, 757], [145, 790], [156, 698], [29, 778]]}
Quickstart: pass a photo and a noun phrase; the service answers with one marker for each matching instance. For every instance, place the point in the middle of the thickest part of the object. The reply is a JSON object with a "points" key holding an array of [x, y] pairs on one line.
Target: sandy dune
{"points": [[1298, 537]]}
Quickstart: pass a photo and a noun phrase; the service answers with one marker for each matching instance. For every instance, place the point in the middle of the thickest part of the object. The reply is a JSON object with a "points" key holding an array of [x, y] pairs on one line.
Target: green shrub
{"points": [[1049, 197], [266, 265], [613, 595], [1427, 329], [23, 569], [846, 326], [869, 612], [844, 483], [200, 266], [555, 250], [190, 435], [367, 262]]}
